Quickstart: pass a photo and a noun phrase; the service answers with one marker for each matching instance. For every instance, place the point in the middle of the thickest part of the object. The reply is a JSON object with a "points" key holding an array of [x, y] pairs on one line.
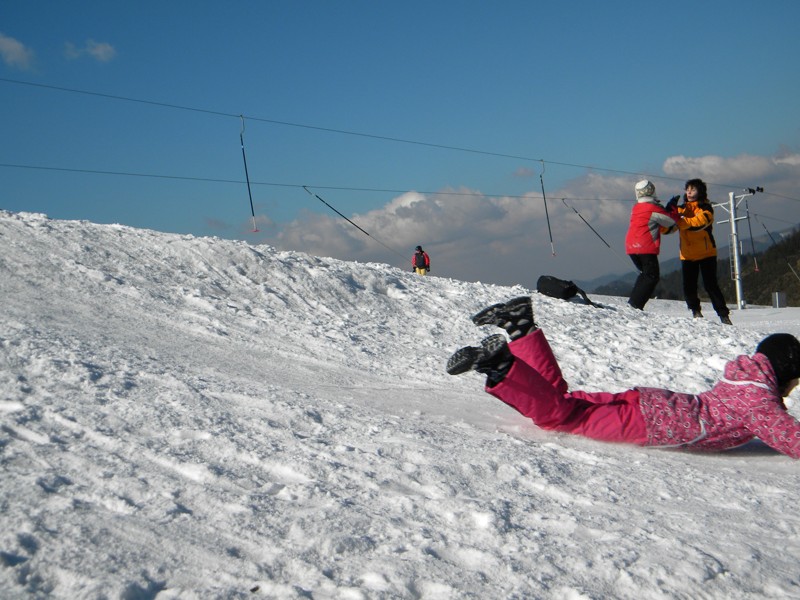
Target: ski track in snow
{"points": [[197, 418]]}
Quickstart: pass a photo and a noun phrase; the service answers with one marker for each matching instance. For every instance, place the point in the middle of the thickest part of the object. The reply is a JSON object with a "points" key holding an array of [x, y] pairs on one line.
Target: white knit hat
{"points": [[645, 188]]}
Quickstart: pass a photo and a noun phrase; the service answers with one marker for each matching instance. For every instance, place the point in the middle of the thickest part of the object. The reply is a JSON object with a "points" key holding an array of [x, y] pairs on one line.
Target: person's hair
{"points": [[783, 352], [700, 186]]}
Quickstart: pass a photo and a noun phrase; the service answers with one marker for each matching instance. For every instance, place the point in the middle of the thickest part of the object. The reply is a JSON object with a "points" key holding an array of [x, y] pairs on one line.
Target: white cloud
{"points": [[778, 175], [791, 160], [15, 54], [719, 169], [524, 172], [99, 51], [507, 239], [469, 235]]}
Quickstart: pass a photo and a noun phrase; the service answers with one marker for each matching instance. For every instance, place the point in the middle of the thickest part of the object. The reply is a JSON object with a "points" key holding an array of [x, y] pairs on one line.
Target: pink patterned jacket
{"points": [[745, 404]]}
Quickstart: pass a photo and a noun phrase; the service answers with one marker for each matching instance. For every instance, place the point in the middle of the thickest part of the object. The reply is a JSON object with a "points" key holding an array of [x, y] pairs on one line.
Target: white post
{"points": [[733, 200], [737, 265]]}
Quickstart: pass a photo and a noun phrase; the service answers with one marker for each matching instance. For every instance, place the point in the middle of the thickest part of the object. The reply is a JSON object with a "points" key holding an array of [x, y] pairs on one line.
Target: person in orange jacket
{"points": [[420, 262], [699, 250]]}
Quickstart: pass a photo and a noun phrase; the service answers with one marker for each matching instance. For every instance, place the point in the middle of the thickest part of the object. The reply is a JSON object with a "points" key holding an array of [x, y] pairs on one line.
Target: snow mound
{"points": [[198, 418]]}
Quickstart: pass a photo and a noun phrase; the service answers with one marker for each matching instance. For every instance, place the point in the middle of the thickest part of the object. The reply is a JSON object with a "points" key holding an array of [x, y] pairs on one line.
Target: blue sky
{"points": [[603, 92]]}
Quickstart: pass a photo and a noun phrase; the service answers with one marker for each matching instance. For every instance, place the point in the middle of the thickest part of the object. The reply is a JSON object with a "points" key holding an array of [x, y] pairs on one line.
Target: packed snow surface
{"points": [[199, 418]]}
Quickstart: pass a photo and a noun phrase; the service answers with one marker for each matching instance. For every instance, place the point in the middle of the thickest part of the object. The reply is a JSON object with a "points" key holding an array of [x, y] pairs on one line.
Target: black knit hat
{"points": [[783, 352]]}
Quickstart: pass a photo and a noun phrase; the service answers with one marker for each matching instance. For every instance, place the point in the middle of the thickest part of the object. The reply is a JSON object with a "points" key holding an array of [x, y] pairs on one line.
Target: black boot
{"points": [[492, 358], [515, 316]]}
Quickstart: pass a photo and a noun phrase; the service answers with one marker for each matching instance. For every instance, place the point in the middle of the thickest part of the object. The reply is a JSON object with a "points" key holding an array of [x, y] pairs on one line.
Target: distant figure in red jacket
{"points": [[643, 242], [746, 403], [420, 262]]}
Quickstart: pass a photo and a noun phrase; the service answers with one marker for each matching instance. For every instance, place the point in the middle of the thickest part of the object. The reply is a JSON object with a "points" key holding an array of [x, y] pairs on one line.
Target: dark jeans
{"points": [[646, 282], [708, 268]]}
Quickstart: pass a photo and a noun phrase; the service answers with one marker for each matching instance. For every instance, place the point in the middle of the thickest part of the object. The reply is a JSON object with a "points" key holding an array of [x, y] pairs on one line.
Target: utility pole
{"points": [[736, 267]]}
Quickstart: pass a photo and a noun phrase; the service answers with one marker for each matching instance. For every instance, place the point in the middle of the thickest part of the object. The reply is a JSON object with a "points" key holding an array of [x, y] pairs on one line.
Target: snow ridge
{"points": [[193, 417]]}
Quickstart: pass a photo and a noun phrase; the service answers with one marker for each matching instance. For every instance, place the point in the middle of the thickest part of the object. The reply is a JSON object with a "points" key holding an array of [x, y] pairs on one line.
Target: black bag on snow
{"points": [[561, 289]]}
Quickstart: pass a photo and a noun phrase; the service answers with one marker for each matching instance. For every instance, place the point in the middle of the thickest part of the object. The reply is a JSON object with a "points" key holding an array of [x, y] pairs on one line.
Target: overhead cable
{"points": [[329, 129], [287, 185], [356, 133]]}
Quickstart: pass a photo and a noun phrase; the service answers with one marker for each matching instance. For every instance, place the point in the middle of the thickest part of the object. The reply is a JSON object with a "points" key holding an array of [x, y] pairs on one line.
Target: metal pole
{"points": [[733, 200], [737, 265]]}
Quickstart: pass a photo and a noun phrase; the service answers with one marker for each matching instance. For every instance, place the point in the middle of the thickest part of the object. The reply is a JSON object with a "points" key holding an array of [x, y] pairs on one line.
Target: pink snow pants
{"points": [[536, 388]]}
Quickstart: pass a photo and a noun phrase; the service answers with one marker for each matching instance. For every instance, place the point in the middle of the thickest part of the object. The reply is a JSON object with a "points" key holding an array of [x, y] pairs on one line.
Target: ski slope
{"points": [[189, 417]]}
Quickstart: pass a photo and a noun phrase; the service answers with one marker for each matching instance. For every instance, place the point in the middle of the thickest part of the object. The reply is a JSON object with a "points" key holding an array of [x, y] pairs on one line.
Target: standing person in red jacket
{"points": [[420, 262], [746, 403], [699, 250], [643, 242]]}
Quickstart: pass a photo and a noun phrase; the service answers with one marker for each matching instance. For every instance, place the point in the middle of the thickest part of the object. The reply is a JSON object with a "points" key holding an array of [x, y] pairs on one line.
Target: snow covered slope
{"points": [[198, 418]]}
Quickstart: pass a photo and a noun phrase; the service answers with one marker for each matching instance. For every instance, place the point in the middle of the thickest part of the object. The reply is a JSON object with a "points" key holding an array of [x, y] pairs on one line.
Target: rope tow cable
{"points": [[247, 175], [352, 223], [547, 214], [594, 231]]}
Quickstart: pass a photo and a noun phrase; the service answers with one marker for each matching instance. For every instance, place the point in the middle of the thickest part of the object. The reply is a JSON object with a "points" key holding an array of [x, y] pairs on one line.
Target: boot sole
{"points": [[497, 314], [466, 359], [463, 360]]}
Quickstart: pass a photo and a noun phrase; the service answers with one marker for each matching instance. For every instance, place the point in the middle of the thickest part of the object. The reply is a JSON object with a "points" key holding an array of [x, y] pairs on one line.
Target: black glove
{"points": [[673, 203]]}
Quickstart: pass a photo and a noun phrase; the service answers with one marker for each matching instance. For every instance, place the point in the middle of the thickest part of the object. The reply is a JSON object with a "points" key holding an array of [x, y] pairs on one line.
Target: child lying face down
{"points": [[746, 403]]}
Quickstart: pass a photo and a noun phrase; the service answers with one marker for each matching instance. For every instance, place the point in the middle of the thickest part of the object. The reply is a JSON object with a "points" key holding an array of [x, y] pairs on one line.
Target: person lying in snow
{"points": [[746, 403]]}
